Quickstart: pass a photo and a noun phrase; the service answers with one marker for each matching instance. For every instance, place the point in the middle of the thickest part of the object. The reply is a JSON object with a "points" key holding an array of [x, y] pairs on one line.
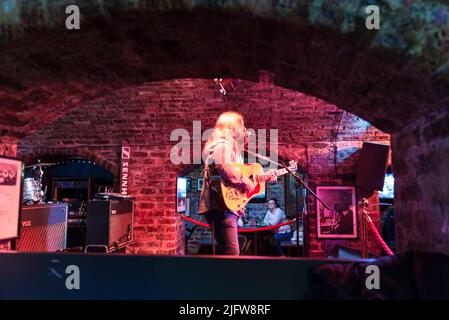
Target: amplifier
{"points": [[110, 223], [77, 224], [43, 228]]}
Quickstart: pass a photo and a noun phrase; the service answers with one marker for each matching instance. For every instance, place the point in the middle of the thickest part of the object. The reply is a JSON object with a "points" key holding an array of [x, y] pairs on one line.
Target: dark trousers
{"points": [[224, 226], [272, 243], [286, 236]]}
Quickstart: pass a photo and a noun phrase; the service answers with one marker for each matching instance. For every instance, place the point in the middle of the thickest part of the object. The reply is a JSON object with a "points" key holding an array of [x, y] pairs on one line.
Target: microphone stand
{"points": [[305, 226]]}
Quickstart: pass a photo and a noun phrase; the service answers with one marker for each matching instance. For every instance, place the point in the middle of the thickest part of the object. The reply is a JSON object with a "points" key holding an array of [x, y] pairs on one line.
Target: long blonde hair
{"points": [[226, 127]]}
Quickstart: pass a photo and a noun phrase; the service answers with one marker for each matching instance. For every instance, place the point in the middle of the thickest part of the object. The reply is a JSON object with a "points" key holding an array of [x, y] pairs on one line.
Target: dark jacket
{"points": [[218, 166]]}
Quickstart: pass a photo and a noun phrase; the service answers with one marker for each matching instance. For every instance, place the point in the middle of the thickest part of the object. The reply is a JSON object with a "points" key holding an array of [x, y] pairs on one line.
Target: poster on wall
{"points": [[10, 197], [200, 184], [341, 221], [181, 194]]}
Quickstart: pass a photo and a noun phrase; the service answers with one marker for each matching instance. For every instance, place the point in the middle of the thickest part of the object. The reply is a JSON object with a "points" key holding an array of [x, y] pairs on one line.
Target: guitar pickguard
{"points": [[255, 191]]}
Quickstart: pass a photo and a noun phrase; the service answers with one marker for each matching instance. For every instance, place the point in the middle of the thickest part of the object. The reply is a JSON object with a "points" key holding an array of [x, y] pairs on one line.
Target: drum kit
{"points": [[32, 187]]}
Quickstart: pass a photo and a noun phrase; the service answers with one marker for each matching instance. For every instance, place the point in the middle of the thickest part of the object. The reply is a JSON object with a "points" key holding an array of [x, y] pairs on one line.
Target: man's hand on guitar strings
{"points": [[247, 185]]}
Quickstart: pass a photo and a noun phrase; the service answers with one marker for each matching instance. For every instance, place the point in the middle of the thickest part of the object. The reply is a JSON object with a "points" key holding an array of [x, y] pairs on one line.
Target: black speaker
{"points": [[110, 223], [43, 228], [372, 166]]}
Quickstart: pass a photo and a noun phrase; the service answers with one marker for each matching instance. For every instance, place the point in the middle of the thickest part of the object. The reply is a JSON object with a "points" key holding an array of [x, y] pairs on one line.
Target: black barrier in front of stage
{"points": [[103, 276]]}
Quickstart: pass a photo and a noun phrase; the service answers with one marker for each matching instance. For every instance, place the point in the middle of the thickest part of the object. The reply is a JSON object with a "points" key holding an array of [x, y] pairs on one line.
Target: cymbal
{"points": [[41, 164]]}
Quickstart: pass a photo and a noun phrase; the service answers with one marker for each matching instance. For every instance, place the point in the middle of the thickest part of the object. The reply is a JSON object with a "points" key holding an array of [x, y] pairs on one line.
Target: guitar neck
{"points": [[278, 173], [281, 172]]}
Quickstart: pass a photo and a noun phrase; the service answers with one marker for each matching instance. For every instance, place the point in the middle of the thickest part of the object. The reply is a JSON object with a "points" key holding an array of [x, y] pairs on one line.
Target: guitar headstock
{"points": [[293, 165]]}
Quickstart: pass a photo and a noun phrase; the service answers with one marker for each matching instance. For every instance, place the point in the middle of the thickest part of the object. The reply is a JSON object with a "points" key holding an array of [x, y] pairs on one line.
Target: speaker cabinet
{"points": [[372, 166], [43, 228], [110, 223]]}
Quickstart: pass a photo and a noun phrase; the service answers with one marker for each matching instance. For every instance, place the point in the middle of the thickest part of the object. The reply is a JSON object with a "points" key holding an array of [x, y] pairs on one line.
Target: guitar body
{"points": [[234, 198]]}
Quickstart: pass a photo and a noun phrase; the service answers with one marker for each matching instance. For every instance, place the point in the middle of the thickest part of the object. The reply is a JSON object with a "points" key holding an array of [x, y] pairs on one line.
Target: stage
{"points": [[138, 277]]}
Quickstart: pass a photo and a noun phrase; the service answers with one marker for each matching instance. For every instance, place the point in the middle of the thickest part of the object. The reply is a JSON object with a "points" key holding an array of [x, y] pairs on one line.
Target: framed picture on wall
{"points": [[10, 197], [200, 184], [181, 194], [340, 222]]}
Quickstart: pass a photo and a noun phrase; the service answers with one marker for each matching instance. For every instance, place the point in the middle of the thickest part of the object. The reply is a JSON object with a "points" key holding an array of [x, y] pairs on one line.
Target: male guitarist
{"points": [[222, 150]]}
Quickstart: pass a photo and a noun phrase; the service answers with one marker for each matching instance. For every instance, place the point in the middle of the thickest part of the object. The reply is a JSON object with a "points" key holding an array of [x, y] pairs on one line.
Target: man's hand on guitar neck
{"points": [[272, 176]]}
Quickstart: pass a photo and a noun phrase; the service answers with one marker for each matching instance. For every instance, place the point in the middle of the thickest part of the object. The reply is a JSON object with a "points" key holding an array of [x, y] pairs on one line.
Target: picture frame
{"points": [[187, 211], [11, 189], [200, 184], [341, 221], [181, 194]]}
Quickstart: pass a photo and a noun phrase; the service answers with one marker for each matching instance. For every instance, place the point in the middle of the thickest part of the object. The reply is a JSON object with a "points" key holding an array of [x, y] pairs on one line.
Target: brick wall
{"points": [[8, 147], [322, 137]]}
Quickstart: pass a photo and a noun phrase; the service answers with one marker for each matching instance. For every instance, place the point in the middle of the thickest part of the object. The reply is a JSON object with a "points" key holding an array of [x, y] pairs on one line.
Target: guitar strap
{"points": [[210, 150]]}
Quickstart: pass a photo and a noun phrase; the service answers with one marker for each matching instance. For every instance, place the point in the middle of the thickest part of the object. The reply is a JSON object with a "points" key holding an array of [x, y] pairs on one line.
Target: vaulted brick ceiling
{"points": [[389, 77]]}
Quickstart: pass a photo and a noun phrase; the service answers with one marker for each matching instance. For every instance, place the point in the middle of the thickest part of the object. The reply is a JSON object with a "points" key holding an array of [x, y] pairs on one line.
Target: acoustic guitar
{"points": [[235, 199]]}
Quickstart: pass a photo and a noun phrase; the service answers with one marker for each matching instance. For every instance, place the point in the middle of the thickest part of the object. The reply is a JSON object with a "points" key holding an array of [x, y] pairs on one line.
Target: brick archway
{"points": [[400, 86], [120, 47], [58, 154]]}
